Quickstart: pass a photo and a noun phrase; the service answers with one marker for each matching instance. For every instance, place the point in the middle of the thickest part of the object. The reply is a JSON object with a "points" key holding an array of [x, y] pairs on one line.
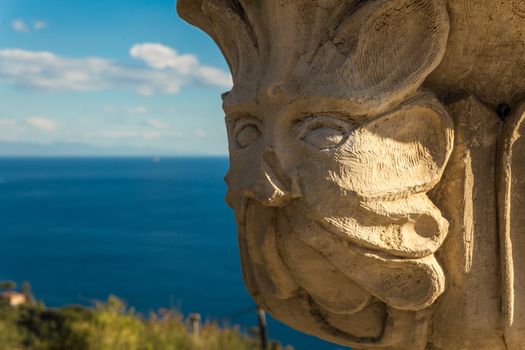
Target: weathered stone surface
{"points": [[512, 228], [467, 197], [378, 194], [485, 52]]}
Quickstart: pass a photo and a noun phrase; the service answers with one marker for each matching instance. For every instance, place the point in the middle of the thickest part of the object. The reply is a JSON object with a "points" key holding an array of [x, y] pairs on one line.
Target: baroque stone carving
{"points": [[378, 194]]}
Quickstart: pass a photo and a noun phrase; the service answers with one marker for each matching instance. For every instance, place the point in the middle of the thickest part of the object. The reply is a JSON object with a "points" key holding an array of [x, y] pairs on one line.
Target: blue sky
{"points": [[109, 73]]}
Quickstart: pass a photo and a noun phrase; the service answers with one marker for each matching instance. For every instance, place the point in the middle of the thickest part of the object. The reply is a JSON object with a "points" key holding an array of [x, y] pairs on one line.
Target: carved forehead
{"points": [[367, 52], [283, 103]]}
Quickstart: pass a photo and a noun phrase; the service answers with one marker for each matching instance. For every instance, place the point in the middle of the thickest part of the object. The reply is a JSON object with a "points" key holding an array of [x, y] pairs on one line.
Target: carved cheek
{"points": [[323, 177], [400, 153]]}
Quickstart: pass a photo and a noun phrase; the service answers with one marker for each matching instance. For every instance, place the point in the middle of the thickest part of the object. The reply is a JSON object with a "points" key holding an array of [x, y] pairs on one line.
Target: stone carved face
{"points": [[333, 207], [333, 149]]}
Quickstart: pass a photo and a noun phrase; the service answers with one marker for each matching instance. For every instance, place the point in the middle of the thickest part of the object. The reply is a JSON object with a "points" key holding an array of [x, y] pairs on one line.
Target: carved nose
{"points": [[271, 185]]}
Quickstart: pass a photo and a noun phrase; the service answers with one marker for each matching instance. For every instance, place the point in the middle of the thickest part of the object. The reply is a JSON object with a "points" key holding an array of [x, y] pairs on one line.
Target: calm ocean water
{"points": [[157, 234]]}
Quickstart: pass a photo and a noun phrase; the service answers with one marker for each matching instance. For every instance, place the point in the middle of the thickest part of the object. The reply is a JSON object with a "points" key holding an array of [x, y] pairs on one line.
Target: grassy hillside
{"points": [[111, 326]]}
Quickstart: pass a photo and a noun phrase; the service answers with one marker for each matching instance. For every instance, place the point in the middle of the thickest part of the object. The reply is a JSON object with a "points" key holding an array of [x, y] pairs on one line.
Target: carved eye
{"points": [[247, 135], [324, 137], [325, 132]]}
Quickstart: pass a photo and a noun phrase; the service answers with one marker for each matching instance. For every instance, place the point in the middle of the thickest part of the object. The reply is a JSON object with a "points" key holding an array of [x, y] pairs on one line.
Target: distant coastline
{"points": [[73, 150]]}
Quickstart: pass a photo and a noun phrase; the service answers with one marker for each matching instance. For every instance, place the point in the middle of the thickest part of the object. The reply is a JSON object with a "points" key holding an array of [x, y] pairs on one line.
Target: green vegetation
{"points": [[110, 326], [7, 285]]}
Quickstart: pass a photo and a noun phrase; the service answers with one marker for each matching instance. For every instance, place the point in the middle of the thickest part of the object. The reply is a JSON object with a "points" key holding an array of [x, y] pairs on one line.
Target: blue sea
{"points": [[155, 233]]}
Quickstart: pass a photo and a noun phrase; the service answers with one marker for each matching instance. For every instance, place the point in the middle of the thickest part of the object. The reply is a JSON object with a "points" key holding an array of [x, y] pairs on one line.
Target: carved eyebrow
{"points": [[340, 114], [235, 116], [232, 110], [239, 105], [274, 94], [322, 114]]}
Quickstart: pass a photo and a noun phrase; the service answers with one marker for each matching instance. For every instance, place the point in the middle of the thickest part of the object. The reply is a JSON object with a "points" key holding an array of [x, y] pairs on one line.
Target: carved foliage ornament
{"points": [[334, 149]]}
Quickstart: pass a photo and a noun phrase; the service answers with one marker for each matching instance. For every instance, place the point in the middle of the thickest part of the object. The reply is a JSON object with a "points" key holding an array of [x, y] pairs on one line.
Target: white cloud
{"points": [[19, 25], [137, 110], [160, 57], [200, 133], [155, 123], [39, 25], [166, 71], [126, 110], [42, 123], [130, 134]]}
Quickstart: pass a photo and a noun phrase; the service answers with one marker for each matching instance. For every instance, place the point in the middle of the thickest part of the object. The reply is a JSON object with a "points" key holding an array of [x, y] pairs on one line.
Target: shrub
{"points": [[110, 326]]}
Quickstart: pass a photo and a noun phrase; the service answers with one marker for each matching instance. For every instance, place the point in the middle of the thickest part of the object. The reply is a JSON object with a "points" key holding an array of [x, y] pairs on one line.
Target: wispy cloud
{"points": [[19, 25], [126, 110], [165, 71], [42, 123], [155, 123], [130, 134], [40, 129], [39, 25], [32, 128], [137, 110], [200, 133]]}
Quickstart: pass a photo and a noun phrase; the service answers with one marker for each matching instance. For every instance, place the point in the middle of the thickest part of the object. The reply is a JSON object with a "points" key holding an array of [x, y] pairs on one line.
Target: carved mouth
{"points": [[410, 284], [272, 277], [378, 228], [272, 285]]}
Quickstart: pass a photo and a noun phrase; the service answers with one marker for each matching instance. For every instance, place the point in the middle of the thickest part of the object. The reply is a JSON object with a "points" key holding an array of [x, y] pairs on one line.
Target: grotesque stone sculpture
{"points": [[377, 192]]}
